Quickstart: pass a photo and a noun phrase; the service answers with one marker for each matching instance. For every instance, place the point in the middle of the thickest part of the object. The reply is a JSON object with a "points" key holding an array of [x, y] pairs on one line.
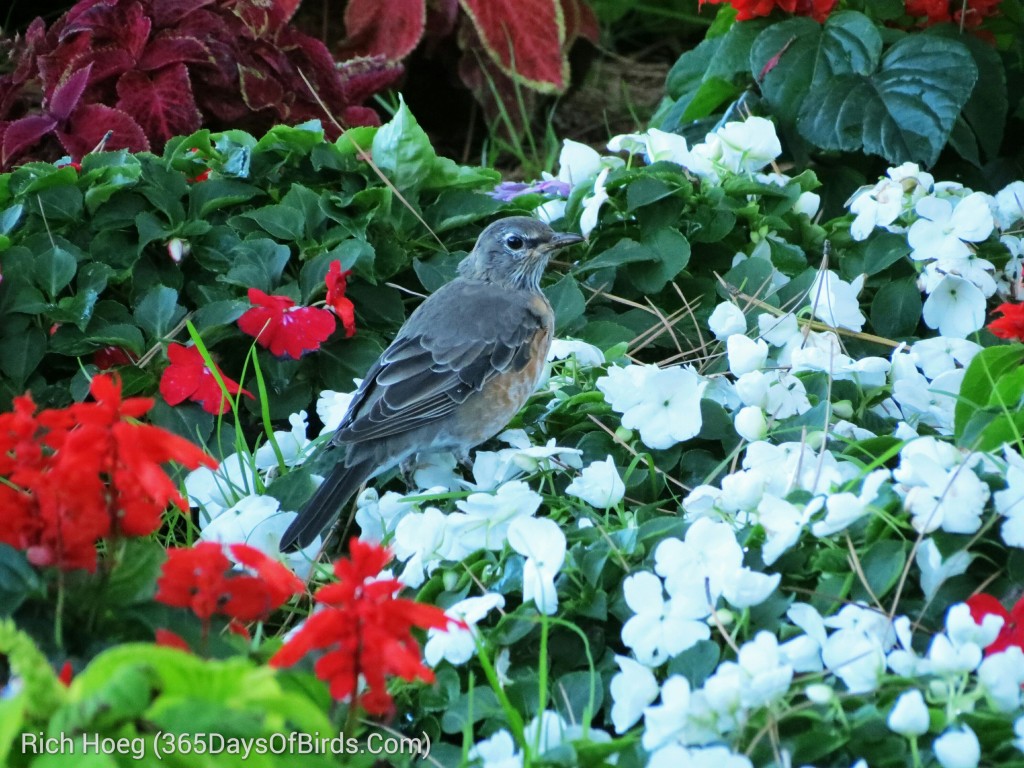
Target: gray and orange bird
{"points": [[460, 368]]}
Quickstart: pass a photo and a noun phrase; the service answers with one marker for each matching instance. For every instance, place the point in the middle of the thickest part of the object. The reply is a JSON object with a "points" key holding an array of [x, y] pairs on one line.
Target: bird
{"points": [[460, 368]]}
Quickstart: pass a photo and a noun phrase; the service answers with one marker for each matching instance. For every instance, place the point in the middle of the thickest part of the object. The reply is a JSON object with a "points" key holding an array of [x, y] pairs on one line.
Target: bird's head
{"points": [[514, 252]]}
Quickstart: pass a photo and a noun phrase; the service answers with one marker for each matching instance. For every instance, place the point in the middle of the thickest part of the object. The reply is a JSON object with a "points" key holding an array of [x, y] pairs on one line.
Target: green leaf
{"points": [[980, 379], [885, 113], [187, 420], [117, 335], [896, 309], [214, 194], [402, 150], [280, 221], [883, 250], [807, 55], [18, 580], [55, 267], [158, 311], [882, 565], [9, 218], [626, 251], [20, 354], [59, 205], [439, 269], [134, 576], [567, 300], [697, 663], [257, 264]]}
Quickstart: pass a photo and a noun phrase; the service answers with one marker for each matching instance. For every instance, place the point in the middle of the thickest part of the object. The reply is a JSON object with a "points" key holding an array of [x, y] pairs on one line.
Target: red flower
{"points": [[201, 177], [1012, 632], [109, 357], [189, 378], [203, 579], [1011, 324], [364, 630], [169, 639], [283, 328], [752, 9], [84, 472], [66, 673], [337, 284]]}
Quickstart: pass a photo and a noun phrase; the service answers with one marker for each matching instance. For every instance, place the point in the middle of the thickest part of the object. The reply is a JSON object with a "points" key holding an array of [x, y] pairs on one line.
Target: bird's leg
{"points": [[407, 467], [463, 459]]}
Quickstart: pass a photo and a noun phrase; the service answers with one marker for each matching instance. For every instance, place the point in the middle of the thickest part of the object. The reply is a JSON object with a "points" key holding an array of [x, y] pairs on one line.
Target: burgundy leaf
{"points": [[23, 134], [390, 28], [56, 63], [169, 12], [256, 19], [361, 78], [90, 123], [168, 47], [492, 88], [525, 38], [283, 10], [259, 90], [161, 102], [68, 93], [580, 21], [441, 18]]}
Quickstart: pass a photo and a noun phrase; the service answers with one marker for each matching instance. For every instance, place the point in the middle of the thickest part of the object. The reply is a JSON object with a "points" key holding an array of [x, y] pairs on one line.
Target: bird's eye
{"points": [[514, 242]]}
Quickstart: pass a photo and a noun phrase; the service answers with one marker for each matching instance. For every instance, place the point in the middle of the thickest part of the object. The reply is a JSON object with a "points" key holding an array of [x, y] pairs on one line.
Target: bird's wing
{"points": [[460, 338]]}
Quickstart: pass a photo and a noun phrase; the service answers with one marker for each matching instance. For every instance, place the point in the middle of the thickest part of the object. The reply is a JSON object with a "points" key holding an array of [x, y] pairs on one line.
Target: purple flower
{"points": [[509, 190]]}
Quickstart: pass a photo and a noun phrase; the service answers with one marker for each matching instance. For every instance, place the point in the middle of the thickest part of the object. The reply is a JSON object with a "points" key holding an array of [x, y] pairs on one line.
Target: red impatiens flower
{"points": [[970, 14], [189, 378], [283, 328], [364, 631], [1012, 632], [337, 284], [203, 579], [82, 473], [110, 357], [1011, 324]]}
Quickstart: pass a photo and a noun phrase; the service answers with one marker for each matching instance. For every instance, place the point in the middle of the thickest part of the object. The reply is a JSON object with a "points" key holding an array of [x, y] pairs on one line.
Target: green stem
{"points": [[58, 624], [669, 13]]}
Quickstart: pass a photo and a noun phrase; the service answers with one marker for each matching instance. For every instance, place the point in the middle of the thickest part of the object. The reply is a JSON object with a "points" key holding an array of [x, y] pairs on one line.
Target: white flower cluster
{"points": [[944, 222]]}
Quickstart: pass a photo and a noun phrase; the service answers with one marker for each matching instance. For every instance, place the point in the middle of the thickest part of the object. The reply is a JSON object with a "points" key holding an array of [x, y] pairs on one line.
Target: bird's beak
{"points": [[563, 239]]}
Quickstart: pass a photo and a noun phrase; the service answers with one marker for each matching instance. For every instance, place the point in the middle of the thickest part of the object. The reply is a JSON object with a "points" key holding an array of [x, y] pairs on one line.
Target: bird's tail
{"points": [[326, 503]]}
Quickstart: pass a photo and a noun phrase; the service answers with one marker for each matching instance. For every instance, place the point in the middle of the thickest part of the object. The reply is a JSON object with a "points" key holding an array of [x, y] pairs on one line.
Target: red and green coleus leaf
{"points": [[525, 38], [161, 102], [389, 28]]}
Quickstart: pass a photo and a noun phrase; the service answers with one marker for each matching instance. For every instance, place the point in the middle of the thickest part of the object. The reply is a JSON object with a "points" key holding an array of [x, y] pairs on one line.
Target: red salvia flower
{"points": [[85, 472], [204, 580], [169, 639], [364, 631], [1011, 324], [189, 378], [337, 284], [282, 327]]}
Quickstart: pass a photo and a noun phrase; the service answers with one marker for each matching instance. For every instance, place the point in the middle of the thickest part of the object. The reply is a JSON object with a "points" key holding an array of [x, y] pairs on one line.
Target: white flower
{"points": [[633, 688], [586, 355], [577, 163], [877, 206], [777, 330], [748, 588], [935, 570], [748, 146], [782, 522], [940, 354], [726, 320], [423, 540], [664, 722], [293, 445], [599, 485], [808, 204], [956, 307], [745, 354], [664, 405], [499, 751], [778, 393], [660, 628], [542, 543], [943, 231], [1009, 502], [834, 301], [674, 756], [551, 211], [332, 406], [1002, 675], [951, 500], [855, 652], [957, 748], [909, 716], [1010, 204], [750, 423], [485, 518], [455, 644], [767, 675], [214, 490], [844, 509], [662, 146], [436, 469], [592, 204], [378, 516]]}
